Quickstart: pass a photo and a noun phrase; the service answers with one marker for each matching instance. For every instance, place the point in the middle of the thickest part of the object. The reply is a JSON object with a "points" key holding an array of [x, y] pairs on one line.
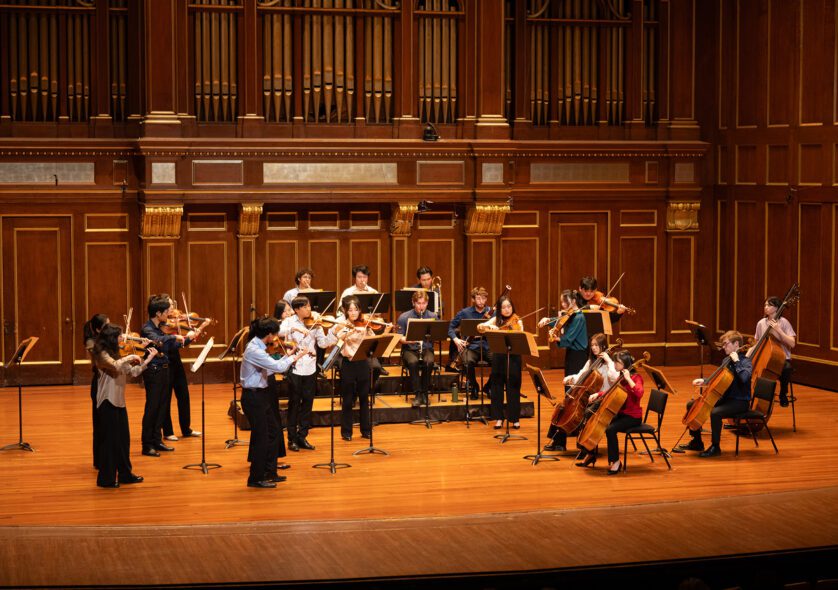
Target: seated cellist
{"points": [[598, 348], [735, 400], [629, 416]]}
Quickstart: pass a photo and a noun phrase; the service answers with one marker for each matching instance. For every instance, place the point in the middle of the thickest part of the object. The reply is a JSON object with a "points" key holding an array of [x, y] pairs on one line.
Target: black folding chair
{"points": [[657, 404], [764, 390]]}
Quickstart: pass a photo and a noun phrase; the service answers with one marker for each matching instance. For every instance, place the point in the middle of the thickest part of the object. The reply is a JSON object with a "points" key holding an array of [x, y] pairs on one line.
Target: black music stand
{"points": [[374, 347], [17, 359], [331, 465], [697, 330], [597, 321], [199, 364], [370, 301], [319, 299], [469, 332], [404, 299], [231, 349], [507, 343], [427, 332], [542, 389]]}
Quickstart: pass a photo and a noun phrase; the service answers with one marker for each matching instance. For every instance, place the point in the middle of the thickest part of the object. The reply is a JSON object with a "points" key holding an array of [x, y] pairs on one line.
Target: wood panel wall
{"points": [[725, 194], [771, 114]]}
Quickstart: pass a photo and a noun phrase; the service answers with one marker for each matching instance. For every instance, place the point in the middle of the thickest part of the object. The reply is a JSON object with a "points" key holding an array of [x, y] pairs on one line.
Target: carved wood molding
{"points": [[682, 216], [401, 220], [161, 221], [486, 219], [249, 215]]}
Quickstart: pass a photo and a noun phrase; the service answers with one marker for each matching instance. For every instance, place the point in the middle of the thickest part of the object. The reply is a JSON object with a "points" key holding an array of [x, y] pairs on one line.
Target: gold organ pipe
{"points": [[350, 64], [306, 63], [328, 61], [368, 67], [378, 85], [387, 66], [317, 61], [340, 63], [287, 46], [53, 65]]}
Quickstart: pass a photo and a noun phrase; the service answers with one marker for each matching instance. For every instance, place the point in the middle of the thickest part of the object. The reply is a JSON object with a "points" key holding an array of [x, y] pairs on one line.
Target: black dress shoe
{"points": [[150, 452], [261, 484], [346, 438], [131, 479], [694, 445], [366, 435], [784, 403], [554, 447], [292, 446], [417, 401], [108, 485], [304, 444], [383, 372], [712, 451], [283, 466], [276, 478], [474, 396], [162, 447]]}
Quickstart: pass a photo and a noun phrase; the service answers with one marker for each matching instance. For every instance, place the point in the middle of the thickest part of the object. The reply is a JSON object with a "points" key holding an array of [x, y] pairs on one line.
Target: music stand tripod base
{"points": [[22, 446], [331, 465], [374, 347], [198, 364]]}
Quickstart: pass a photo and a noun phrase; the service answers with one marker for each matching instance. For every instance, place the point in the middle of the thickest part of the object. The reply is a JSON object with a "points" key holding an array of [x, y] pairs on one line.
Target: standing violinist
{"points": [[282, 310], [599, 350], [257, 364], [505, 318], [476, 350], [91, 330], [588, 296], [354, 375], [302, 376], [157, 378], [574, 337], [735, 399], [180, 386], [418, 357], [783, 333], [303, 280]]}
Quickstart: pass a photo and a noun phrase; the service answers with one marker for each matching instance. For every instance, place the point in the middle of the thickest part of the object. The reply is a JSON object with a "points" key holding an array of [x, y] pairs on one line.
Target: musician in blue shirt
{"points": [[256, 365], [472, 350]]}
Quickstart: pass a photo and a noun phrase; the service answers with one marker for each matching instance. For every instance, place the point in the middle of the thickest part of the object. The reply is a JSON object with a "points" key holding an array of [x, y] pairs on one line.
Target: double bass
{"points": [[570, 414], [611, 403], [768, 356]]}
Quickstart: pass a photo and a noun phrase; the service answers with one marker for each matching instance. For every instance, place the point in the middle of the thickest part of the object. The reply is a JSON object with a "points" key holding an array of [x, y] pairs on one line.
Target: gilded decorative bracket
{"points": [[486, 219], [249, 215], [161, 221], [682, 216], [401, 221]]}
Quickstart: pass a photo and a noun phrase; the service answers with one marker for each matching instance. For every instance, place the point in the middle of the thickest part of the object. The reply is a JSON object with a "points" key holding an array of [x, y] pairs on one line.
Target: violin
{"points": [[131, 343], [376, 324], [554, 334], [316, 319], [511, 323], [609, 304], [277, 345]]}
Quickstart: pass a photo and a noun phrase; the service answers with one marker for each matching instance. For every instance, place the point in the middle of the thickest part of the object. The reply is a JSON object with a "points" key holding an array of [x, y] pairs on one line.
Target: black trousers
{"points": [[256, 404], [94, 388], [114, 444], [470, 359], [620, 423], [418, 370], [574, 360], [156, 383], [513, 387], [275, 388], [300, 402], [179, 384], [558, 436], [785, 379], [724, 408], [354, 384]]}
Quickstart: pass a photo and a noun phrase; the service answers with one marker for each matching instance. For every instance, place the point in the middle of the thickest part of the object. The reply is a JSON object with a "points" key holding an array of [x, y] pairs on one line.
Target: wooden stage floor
{"points": [[447, 500]]}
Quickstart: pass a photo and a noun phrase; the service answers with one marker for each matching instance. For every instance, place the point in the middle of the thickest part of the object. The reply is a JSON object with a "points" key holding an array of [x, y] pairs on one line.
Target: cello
{"points": [[570, 414], [768, 356], [714, 388], [611, 403]]}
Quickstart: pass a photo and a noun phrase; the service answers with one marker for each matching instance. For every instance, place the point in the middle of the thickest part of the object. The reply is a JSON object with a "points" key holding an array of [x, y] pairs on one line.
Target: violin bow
{"points": [[186, 310], [614, 286]]}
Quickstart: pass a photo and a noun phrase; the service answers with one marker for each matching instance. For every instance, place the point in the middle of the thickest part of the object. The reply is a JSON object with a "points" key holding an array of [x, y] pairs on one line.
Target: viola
{"points": [[611, 403], [609, 304], [554, 334], [569, 415]]}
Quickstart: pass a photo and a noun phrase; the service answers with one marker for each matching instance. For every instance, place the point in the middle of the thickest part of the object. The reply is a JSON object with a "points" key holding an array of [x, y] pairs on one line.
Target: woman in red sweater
{"points": [[630, 415]]}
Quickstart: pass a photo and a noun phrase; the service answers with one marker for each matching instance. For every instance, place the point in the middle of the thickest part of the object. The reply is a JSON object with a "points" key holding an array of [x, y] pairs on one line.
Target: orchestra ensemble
{"points": [[288, 354]]}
